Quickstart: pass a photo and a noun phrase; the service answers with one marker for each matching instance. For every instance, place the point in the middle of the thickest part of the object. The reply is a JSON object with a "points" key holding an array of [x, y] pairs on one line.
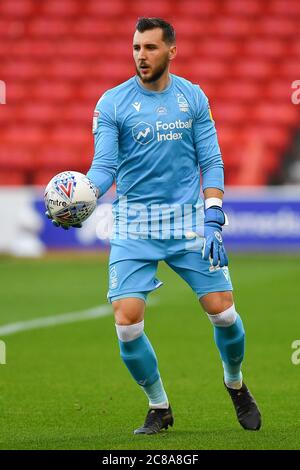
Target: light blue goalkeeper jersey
{"points": [[154, 144]]}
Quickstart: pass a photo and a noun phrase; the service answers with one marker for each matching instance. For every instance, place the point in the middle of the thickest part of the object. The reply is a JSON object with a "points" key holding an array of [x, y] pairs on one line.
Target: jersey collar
{"points": [[151, 92]]}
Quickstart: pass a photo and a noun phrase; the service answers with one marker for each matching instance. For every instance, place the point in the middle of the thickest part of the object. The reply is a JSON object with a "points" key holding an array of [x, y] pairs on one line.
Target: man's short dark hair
{"points": [[145, 24]]}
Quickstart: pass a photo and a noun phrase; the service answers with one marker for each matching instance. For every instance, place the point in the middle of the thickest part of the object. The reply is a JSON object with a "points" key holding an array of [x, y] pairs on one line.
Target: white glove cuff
{"points": [[213, 201]]}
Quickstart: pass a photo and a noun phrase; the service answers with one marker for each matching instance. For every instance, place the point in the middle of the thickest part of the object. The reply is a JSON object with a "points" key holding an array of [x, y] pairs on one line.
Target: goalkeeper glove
{"points": [[57, 224], [213, 247]]}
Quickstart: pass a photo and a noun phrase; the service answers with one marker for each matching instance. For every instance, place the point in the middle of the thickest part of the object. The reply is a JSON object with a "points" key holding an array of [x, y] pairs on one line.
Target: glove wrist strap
{"points": [[214, 215]]}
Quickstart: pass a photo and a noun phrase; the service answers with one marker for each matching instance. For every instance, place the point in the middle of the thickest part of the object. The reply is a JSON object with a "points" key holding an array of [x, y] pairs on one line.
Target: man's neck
{"points": [[159, 85]]}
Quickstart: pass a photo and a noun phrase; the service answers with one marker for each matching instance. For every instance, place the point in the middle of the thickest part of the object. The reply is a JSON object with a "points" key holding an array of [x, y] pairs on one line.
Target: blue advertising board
{"points": [[259, 219]]}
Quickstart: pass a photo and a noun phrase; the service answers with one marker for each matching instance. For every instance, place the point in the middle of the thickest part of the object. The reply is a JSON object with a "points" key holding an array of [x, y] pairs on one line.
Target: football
{"points": [[70, 198]]}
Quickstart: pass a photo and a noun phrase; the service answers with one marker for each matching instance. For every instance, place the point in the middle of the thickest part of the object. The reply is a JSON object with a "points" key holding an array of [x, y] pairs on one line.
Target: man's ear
{"points": [[172, 52]]}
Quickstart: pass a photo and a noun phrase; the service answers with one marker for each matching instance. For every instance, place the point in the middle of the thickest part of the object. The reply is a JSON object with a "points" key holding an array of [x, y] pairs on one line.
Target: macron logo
{"points": [[137, 106], [143, 134]]}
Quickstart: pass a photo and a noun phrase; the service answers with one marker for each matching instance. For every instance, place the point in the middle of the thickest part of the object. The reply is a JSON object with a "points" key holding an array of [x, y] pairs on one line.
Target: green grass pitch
{"points": [[65, 387]]}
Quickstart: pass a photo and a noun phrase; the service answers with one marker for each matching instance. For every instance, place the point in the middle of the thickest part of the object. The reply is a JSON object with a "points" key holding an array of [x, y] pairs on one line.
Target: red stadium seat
{"points": [[40, 113], [68, 70], [12, 178], [79, 113], [59, 57], [52, 90], [7, 115], [253, 68], [33, 48], [230, 144], [284, 8], [115, 70], [92, 90], [278, 90], [47, 27], [189, 27], [70, 135], [25, 70], [265, 47], [150, 8], [276, 113], [26, 135], [240, 91], [244, 7], [11, 28], [218, 48], [80, 48], [113, 50], [275, 137], [59, 158], [15, 158], [209, 69], [56, 158], [59, 8], [19, 8], [230, 26], [203, 9], [277, 26], [290, 69], [15, 92], [293, 48], [229, 113], [105, 8], [95, 28]]}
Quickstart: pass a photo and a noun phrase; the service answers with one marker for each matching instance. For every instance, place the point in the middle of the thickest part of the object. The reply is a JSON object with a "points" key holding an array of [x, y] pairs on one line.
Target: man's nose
{"points": [[141, 54]]}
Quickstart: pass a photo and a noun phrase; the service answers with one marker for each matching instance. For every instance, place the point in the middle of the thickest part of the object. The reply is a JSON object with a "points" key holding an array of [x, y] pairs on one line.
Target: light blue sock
{"points": [[230, 339], [140, 359], [157, 395]]}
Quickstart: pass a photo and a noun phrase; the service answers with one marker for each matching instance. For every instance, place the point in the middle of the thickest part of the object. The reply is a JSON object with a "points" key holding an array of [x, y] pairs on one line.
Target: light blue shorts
{"points": [[133, 265]]}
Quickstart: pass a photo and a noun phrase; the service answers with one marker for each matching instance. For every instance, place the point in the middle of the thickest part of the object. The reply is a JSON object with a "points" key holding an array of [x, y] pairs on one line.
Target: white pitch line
{"points": [[45, 322], [62, 319]]}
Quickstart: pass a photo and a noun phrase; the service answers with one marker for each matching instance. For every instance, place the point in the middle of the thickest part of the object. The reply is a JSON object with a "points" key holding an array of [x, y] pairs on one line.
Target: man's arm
{"points": [[105, 130], [104, 165], [212, 170], [213, 197]]}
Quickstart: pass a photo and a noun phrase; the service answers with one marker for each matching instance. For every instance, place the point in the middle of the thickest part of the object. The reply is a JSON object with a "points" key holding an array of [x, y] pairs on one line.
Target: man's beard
{"points": [[157, 73]]}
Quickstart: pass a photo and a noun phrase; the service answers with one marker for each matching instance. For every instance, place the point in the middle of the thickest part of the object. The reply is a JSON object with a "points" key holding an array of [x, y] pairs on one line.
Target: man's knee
{"points": [[128, 311], [217, 302]]}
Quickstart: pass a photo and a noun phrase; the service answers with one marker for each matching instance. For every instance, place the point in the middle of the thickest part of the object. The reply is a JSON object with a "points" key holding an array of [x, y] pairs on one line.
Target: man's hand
{"points": [[57, 224], [213, 242]]}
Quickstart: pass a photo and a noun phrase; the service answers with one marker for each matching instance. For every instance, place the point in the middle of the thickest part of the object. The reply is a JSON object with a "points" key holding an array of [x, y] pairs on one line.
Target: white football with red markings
{"points": [[70, 197]]}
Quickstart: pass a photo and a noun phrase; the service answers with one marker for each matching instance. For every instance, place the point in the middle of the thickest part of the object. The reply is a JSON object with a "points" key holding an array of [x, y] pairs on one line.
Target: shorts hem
{"points": [[137, 295], [225, 289]]}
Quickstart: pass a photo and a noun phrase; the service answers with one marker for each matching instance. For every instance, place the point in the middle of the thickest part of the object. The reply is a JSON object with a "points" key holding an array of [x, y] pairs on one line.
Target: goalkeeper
{"points": [[154, 134]]}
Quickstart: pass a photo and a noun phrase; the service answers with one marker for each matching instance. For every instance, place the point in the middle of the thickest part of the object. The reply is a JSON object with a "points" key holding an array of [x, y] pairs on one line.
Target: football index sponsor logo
{"points": [[169, 128], [143, 132]]}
